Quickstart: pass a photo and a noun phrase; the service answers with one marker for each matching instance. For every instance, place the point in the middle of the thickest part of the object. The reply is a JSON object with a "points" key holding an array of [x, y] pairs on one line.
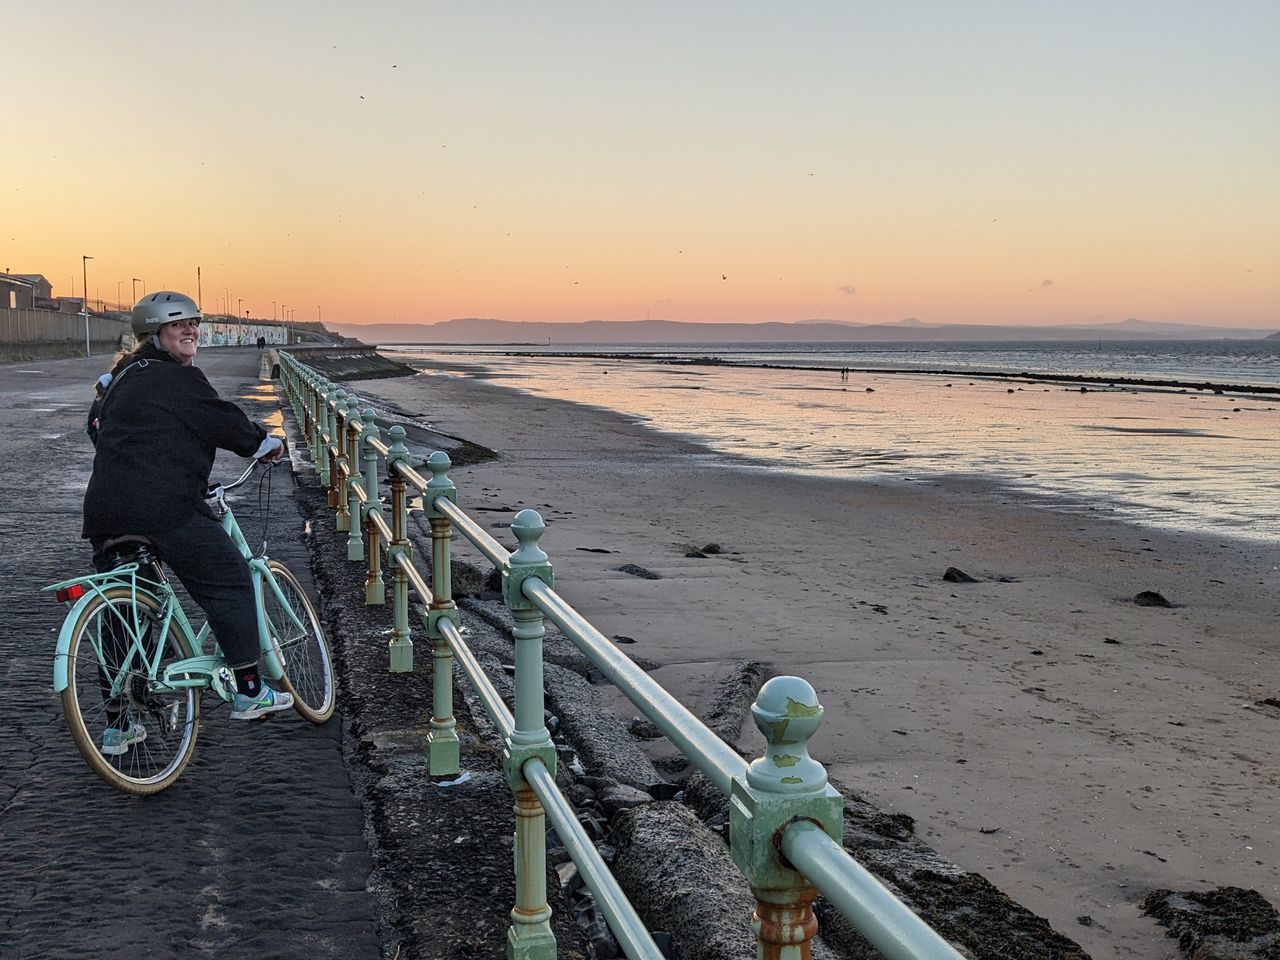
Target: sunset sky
{"points": [[1001, 162]]}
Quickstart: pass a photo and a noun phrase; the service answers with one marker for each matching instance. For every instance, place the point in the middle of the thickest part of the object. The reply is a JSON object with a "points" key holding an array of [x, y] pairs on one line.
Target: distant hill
{"points": [[1274, 336], [477, 330]]}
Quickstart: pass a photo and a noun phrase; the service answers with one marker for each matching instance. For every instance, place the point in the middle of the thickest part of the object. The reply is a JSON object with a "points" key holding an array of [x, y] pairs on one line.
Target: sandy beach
{"points": [[1076, 749]]}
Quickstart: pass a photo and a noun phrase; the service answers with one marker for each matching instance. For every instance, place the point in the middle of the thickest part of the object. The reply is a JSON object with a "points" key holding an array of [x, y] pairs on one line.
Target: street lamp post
{"points": [[136, 281], [274, 315], [118, 282], [84, 267]]}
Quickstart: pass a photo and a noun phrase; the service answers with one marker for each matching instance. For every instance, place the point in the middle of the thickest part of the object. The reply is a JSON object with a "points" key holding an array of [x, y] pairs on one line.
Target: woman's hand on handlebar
{"points": [[272, 449]]}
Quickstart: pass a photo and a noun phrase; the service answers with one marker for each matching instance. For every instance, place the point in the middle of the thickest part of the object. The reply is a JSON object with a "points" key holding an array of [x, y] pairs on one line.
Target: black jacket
{"points": [[160, 427]]}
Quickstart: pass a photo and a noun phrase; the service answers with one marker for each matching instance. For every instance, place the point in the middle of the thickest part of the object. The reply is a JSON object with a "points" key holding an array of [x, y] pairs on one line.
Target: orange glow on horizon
{"points": [[427, 164]]}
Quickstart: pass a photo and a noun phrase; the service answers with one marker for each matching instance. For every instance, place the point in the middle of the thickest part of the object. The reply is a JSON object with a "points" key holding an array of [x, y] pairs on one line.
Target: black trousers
{"points": [[209, 565]]}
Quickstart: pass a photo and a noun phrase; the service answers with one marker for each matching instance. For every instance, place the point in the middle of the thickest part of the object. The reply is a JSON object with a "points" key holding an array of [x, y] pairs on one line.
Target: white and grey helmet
{"points": [[164, 306]]}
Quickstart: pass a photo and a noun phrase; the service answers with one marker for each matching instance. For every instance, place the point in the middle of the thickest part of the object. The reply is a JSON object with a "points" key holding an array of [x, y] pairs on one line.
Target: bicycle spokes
{"points": [[134, 731]]}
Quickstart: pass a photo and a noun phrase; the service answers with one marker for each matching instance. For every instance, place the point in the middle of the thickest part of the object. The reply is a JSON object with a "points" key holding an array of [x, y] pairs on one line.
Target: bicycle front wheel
{"points": [[135, 736], [304, 652]]}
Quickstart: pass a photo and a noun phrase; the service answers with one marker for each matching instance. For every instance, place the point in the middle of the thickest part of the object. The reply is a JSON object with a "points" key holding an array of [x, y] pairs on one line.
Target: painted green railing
{"points": [[786, 821]]}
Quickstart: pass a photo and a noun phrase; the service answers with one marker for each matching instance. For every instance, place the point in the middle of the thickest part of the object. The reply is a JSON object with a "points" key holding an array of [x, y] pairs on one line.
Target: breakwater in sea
{"points": [[1241, 364]]}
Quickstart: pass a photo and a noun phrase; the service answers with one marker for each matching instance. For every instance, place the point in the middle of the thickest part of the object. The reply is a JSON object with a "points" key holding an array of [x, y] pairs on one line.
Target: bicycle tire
{"points": [[171, 721], [306, 655]]}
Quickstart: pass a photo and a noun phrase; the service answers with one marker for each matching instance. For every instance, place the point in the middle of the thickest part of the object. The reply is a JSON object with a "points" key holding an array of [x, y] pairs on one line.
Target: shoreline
{"points": [[1076, 749], [1154, 385]]}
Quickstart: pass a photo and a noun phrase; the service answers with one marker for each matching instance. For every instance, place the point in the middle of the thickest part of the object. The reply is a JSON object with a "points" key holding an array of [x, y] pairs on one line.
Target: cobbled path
{"points": [[258, 850]]}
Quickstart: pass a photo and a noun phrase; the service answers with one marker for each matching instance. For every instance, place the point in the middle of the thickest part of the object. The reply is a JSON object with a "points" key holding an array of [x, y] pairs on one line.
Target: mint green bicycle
{"points": [[128, 654]]}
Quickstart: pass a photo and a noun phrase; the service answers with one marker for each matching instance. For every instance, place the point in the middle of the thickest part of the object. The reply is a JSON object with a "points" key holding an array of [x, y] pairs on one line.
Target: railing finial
{"points": [[528, 527], [784, 787], [787, 712], [438, 463]]}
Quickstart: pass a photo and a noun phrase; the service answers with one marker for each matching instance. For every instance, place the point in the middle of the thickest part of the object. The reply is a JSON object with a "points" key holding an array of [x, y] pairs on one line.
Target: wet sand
{"points": [[1076, 749]]}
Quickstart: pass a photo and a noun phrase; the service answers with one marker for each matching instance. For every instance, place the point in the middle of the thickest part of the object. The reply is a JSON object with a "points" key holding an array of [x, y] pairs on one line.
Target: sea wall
{"points": [[350, 361]]}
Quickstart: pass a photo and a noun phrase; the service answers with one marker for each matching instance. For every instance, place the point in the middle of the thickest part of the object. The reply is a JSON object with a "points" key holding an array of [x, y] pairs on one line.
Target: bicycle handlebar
{"points": [[213, 489]]}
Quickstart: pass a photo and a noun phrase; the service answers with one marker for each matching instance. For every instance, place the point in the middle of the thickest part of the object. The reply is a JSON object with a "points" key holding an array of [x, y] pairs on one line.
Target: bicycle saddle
{"points": [[129, 548]]}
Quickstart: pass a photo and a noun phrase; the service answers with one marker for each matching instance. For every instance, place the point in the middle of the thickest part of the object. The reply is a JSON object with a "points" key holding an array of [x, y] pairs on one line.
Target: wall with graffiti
{"points": [[215, 334]]}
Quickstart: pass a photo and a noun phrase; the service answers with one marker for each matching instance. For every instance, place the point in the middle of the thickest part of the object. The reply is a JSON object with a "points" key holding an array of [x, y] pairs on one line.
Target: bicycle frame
{"points": [[271, 662]]}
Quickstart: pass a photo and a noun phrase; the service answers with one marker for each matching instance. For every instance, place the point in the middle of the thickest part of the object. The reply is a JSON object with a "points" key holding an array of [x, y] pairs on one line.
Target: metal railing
{"points": [[786, 821]]}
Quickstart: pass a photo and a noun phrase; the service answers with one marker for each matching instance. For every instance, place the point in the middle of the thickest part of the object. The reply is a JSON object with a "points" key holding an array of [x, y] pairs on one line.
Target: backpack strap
{"points": [[102, 403]]}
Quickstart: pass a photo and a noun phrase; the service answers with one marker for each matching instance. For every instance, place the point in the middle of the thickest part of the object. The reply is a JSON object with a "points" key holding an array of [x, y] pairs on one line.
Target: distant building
{"points": [[18, 292], [26, 290], [41, 284]]}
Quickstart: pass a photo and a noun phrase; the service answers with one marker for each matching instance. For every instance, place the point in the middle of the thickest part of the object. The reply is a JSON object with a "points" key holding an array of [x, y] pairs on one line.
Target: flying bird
{"points": [[723, 277]]}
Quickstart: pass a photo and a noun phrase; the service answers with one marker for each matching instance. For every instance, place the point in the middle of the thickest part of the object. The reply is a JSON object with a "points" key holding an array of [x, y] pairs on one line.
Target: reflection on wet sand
{"points": [[1199, 461]]}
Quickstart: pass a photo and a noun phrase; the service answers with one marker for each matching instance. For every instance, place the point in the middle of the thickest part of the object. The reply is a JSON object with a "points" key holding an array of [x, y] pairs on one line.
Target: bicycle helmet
{"points": [[164, 306]]}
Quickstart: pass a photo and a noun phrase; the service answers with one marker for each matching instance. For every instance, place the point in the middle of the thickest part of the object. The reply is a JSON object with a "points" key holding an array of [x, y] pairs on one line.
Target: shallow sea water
{"points": [[1192, 460]]}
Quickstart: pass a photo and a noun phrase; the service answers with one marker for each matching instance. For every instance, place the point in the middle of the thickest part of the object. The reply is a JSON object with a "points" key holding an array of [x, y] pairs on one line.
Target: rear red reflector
{"points": [[70, 594]]}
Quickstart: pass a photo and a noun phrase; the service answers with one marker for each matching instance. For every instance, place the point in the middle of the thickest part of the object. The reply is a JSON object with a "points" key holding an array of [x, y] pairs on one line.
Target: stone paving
{"points": [[259, 849]]}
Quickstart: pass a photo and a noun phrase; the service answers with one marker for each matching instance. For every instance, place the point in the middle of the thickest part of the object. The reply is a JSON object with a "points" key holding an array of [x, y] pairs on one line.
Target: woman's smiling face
{"points": [[180, 339]]}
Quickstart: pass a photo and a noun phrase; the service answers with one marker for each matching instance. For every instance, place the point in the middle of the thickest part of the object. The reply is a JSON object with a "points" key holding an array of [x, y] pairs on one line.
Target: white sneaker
{"points": [[267, 701]]}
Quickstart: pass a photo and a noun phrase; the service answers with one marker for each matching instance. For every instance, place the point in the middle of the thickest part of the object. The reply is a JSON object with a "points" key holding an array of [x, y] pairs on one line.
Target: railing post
{"points": [[322, 419], [355, 518], [375, 593], [341, 492], [333, 449], [529, 937], [311, 399], [307, 397], [300, 395], [317, 418], [444, 736], [401, 647], [782, 786]]}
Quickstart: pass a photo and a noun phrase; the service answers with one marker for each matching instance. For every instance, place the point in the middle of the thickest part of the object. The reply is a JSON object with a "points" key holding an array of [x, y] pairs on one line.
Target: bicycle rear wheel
{"points": [[108, 688], [304, 653]]}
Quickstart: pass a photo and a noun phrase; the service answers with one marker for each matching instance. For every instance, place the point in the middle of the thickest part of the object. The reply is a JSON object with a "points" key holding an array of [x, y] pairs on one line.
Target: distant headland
{"points": [[477, 330]]}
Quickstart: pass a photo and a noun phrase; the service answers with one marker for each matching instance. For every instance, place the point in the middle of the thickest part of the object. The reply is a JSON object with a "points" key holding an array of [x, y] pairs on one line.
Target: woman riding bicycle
{"points": [[158, 427]]}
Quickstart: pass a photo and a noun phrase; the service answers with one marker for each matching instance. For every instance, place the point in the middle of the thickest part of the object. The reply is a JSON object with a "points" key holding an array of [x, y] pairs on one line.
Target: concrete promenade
{"points": [[259, 850]]}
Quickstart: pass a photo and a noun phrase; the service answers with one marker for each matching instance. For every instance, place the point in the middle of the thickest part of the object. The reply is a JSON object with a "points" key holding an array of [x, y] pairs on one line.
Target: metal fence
{"points": [[786, 821]]}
